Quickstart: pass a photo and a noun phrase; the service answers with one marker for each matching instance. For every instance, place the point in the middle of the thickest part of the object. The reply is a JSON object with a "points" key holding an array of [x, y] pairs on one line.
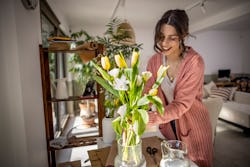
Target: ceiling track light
{"points": [[201, 4], [203, 9], [119, 3]]}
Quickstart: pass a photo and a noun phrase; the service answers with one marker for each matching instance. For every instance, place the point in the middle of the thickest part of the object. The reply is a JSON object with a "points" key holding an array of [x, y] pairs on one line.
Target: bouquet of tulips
{"points": [[127, 84]]}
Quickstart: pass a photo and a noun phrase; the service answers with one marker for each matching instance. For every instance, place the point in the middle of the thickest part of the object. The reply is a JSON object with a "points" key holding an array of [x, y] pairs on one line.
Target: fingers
{"points": [[152, 118]]}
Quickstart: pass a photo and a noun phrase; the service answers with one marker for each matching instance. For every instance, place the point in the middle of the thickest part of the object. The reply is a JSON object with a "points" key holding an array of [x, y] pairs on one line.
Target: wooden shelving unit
{"points": [[48, 100]]}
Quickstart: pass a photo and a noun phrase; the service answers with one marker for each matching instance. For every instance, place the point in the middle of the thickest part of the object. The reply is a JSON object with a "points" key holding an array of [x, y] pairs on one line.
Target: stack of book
{"points": [[60, 43]]}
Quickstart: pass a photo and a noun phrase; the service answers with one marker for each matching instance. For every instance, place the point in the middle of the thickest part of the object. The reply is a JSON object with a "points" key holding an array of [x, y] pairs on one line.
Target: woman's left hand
{"points": [[154, 118]]}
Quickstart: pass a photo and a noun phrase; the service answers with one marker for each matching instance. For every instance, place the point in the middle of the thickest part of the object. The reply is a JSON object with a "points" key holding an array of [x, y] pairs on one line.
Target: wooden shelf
{"points": [[78, 142], [49, 103], [73, 98]]}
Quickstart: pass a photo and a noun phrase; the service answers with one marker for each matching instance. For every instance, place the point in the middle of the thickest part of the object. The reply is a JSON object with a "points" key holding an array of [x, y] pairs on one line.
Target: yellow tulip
{"points": [[153, 92], [162, 71], [134, 59], [120, 62], [146, 75], [105, 63]]}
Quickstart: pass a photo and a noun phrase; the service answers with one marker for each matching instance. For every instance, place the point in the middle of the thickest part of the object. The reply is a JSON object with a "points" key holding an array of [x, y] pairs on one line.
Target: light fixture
{"points": [[201, 4], [203, 9]]}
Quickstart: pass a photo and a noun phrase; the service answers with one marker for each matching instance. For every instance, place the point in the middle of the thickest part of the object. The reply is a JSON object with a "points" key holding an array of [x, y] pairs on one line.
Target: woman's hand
{"points": [[154, 118]]}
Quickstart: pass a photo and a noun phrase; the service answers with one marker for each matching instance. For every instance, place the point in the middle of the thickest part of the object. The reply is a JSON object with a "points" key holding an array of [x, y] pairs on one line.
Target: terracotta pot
{"points": [[86, 110], [88, 122]]}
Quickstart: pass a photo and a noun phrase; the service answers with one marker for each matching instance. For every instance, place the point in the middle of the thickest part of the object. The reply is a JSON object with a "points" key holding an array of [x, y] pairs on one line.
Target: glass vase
{"points": [[174, 154], [129, 156]]}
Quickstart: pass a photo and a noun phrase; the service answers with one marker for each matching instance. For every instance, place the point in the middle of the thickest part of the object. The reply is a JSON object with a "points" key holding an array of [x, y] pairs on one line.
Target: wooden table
{"points": [[225, 84], [104, 157]]}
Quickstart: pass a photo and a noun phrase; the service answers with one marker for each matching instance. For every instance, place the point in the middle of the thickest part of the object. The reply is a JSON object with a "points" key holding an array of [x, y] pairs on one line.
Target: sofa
{"points": [[236, 104]]}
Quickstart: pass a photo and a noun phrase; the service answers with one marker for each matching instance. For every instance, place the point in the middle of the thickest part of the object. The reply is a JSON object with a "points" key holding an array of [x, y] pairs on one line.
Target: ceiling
{"points": [[227, 14]]}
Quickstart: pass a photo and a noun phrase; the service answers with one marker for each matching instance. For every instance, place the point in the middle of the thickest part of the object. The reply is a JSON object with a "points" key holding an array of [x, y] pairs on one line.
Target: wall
{"points": [[245, 38], [23, 142], [221, 49]]}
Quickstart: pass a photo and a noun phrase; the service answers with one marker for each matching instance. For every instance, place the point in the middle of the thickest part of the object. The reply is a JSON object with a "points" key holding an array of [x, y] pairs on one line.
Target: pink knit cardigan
{"points": [[192, 118]]}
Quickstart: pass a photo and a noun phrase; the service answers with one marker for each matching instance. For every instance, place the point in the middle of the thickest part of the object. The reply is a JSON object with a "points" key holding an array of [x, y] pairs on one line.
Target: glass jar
{"points": [[174, 154], [129, 156]]}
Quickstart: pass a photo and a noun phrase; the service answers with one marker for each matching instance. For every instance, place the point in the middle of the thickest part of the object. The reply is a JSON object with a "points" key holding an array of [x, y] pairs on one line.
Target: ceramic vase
{"points": [[61, 89], [108, 131]]}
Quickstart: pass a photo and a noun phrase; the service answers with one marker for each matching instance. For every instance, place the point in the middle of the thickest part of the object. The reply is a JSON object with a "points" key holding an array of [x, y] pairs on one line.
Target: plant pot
{"points": [[88, 121], [87, 109], [108, 132]]}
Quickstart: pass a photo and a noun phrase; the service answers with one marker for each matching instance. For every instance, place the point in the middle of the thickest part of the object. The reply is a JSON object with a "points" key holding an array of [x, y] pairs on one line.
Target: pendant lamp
{"points": [[124, 28]]}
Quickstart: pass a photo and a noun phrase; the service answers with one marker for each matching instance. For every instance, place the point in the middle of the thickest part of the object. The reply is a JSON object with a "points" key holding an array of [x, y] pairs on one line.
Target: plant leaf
{"points": [[157, 102], [105, 85], [116, 124]]}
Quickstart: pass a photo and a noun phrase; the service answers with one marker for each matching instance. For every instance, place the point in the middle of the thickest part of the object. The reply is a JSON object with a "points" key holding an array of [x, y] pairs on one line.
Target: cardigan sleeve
{"points": [[186, 90]]}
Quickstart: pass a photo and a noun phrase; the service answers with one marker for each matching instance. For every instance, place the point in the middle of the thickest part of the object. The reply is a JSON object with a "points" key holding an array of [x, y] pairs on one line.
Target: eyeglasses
{"points": [[170, 38]]}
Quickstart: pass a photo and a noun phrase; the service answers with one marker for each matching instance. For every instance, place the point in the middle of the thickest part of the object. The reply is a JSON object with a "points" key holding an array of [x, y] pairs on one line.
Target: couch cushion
{"points": [[242, 97], [221, 92], [236, 113], [208, 87], [232, 93]]}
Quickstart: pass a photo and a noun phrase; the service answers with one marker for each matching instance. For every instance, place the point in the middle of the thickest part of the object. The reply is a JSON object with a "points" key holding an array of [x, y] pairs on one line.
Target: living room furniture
{"points": [[225, 84], [57, 136], [214, 106], [237, 111], [103, 157], [236, 104]]}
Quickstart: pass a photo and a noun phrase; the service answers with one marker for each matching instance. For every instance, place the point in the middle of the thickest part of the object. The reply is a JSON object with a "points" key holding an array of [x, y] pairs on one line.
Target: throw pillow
{"points": [[209, 86], [204, 93], [233, 90], [221, 92]]}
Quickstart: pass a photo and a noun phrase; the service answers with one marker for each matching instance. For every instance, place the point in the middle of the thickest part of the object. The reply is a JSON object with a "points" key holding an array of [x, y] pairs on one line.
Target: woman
{"points": [[185, 117]]}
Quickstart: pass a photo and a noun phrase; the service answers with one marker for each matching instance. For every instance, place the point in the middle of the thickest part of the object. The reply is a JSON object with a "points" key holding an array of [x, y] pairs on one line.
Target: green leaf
{"points": [[104, 84], [116, 124], [104, 74], [143, 101], [139, 124], [144, 115], [157, 102]]}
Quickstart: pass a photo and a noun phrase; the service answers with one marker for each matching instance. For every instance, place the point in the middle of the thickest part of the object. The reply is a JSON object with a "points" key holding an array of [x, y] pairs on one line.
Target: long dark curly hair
{"points": [[179, 20]]}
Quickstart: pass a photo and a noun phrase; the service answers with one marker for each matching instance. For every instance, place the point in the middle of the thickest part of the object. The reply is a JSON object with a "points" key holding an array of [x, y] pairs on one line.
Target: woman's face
{"points": [[169, 41]]}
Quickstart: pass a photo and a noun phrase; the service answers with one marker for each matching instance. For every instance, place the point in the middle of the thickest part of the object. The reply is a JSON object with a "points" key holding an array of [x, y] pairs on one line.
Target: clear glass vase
{"points": [[174, 154], [129, 156]]}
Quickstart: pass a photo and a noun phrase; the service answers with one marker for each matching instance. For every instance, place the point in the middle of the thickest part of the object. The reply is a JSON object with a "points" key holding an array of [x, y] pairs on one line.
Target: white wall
{"points": [[23, 142], [245, 38], [221, 49]]}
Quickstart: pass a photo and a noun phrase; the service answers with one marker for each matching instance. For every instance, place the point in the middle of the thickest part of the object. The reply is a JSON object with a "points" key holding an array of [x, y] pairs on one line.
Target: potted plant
{"points": [[115, 40]]}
